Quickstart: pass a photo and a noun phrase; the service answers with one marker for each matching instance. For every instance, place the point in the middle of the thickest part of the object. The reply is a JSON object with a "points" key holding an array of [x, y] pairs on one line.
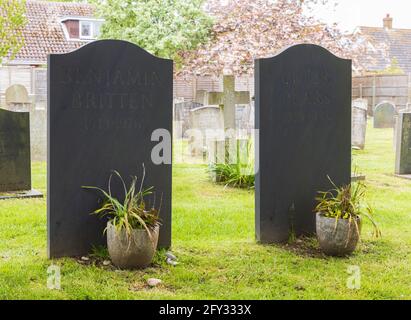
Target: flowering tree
{"points": [[161, 27], [12, 20], [245, 30]]}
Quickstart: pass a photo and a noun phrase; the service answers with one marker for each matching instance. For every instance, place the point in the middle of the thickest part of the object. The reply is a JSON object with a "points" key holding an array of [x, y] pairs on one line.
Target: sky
{"points": [[351, 13]]}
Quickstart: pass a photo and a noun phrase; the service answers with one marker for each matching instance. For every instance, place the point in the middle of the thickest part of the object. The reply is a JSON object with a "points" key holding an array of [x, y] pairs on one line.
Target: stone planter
{"points": [[134, 252], [340, 241]]}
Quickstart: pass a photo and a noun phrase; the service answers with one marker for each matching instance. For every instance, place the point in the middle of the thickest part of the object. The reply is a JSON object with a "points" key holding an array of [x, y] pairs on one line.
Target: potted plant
{"points": [[339, 215], [132, 226]]}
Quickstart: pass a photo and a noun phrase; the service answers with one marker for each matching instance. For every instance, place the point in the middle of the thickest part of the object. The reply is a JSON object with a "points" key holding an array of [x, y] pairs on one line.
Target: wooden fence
{"points": [[378, 88]]}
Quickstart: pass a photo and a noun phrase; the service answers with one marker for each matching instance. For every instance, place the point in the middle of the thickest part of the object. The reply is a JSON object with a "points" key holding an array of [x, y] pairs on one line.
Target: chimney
{"points": [[387, 22]]}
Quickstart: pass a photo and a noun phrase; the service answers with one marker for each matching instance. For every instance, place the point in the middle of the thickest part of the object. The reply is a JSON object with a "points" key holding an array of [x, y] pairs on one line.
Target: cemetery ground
{"points": [[213, 238]]}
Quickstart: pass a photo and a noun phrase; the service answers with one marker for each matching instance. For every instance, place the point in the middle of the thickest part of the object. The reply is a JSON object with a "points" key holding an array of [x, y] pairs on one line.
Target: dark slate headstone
{"points": [[384, 115], [105, 101], [403, 145], [15, 170], [303, 113]]}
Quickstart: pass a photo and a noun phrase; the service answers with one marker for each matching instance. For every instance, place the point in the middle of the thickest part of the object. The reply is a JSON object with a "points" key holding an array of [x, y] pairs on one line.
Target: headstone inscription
{"points": [[403, 145], [303, 114], [384, 114], [359, 123], [106, 99]]}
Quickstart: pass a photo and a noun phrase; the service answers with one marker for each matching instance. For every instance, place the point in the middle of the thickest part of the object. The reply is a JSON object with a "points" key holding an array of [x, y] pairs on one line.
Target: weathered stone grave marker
{"points": [[15, 166], [403, 146], [17, 94], [359, 123], [303, 113], [182, 115], [384, 114], [245, 125], [205, 122], [105, 101], [228, 99], [201, 97]]}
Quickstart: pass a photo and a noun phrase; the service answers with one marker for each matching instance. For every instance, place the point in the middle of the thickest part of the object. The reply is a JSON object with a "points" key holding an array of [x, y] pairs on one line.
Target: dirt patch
{"points": [[305, 247], [142, 285]]}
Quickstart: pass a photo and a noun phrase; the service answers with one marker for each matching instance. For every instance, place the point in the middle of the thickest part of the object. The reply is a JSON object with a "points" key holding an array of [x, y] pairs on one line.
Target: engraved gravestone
{"points": [[403, 145], [359, 123], [105, 101], [15, 170], [384, 114], [303, 113]]}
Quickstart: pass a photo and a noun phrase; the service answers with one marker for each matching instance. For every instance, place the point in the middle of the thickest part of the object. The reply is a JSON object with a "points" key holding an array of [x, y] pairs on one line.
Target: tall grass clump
{"points": [[237, 175]]}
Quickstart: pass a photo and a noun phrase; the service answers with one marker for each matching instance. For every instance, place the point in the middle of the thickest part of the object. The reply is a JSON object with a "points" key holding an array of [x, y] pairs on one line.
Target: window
{"points": [[76, 28], [86, 30]]}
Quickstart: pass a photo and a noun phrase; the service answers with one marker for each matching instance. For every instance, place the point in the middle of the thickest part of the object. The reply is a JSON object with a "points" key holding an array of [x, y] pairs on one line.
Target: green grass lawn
{"points": [[213, 237]]}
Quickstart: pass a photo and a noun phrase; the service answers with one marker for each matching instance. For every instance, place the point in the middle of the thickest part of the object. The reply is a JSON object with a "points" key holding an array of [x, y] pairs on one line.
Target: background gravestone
{"points": [[17, 93], [384, 115], [359, 123], [403, 145], [15, 170], [202, 119], [245, 124], [105, 101], [17, 99], [182, 114], [228, 99], [395, 131], [303, 113], [201, 97]]}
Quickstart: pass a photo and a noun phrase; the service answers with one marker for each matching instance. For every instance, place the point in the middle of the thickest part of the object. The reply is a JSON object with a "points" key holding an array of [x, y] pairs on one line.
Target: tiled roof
{"points": [[44, 33], [385, 45]]}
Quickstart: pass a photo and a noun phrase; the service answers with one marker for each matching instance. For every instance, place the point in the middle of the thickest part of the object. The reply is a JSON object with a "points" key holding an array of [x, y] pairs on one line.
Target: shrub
{"points": [[237, 175], [346, 202], [132, 212], [234, 175]]}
